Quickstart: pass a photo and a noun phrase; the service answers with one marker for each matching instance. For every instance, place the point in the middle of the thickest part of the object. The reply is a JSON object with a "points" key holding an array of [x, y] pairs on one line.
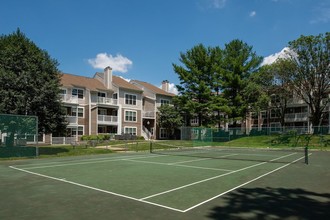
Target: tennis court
{"points": [[176, 181]]}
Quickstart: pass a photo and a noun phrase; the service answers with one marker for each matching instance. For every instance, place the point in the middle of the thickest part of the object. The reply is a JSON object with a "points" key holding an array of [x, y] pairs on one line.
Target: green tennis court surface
{"points": [[177, 183]]}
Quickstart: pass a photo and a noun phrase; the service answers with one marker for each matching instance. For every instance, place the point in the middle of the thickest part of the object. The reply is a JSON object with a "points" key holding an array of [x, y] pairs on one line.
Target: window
{"points": [[130, 116], [194, 120], [163, 133], [130, 130], [164, 102], [130, 99], [101, 94], [102, 111], [80, 131], [63, 91], [275, 113], [78, 92], [80, 113]]}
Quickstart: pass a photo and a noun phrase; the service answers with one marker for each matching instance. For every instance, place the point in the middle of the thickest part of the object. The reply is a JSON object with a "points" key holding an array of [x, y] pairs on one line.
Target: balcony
{"points": [[296, 101], [107, 101], [107, 119], [72, 120], [69, 99], [148, 114], [293, 117]]}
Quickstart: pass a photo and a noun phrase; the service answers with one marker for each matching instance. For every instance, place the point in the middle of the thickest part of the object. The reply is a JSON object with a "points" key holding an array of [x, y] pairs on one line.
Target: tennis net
{"points": [[272, 155]]}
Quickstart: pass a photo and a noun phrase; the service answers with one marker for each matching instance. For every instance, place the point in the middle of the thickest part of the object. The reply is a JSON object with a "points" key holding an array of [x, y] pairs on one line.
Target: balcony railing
{"points": [[148, 114], [69, 98], [107, 101], [292, 117], [107, 119], [72, 119]]}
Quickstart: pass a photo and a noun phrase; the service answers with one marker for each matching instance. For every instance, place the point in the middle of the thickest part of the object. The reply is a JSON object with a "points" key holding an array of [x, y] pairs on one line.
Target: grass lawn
{"points": [[267, 141]]}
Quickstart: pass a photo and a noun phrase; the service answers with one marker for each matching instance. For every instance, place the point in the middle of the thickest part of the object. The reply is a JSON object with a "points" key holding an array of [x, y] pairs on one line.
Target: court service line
{"points": [[239, 186], [212, 178], [187, 161], [90, 162], [96, 189], [177, 165]]}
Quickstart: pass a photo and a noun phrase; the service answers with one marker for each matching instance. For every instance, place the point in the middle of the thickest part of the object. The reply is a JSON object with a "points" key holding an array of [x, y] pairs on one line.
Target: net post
{"points": [[150, 147], [306, 155]]}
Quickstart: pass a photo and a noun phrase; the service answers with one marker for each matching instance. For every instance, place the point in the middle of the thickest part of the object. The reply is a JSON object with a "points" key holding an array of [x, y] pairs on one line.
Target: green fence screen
{"points": [[18, 136]]}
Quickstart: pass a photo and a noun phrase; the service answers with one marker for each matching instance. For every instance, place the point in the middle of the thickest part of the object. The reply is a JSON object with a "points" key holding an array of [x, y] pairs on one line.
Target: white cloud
{"points": [[118, 63], [253, 13], [273, 57], [211, 4], [128, 80], [218, 3], [171, 88]]}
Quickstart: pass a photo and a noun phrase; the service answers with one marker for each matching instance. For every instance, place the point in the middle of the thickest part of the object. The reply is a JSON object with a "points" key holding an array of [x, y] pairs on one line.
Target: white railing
{"points": [[147, 134], [107, 101], [295, 101], [291, 117], [63, 140], [107, 119], [72, 119], [69, 98], [148, 114]]}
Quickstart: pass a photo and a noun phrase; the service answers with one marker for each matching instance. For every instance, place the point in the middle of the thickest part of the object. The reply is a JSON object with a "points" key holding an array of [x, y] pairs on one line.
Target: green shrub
{"points": [[85, 138]]}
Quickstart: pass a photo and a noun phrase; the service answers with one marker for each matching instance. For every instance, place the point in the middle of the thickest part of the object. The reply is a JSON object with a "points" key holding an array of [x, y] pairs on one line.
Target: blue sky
{"points": [[140, 39]]}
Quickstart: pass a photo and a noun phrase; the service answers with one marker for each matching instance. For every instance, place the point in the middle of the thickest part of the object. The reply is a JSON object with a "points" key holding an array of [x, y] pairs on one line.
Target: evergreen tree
{"points": [[30, 82], [239, 63], [196, 79]]}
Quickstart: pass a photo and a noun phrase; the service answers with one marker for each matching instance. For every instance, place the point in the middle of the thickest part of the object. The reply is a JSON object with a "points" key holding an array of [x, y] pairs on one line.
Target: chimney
{"points": [[108, 77], [165, 85]]}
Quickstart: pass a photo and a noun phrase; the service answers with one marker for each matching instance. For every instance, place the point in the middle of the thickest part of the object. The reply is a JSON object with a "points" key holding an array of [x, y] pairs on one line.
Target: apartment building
{"points": [[296, 115], [153, 97], [108, 104]]}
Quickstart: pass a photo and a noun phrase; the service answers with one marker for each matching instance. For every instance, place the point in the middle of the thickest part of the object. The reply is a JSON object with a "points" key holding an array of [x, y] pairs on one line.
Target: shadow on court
{"points": [[273, 203]]}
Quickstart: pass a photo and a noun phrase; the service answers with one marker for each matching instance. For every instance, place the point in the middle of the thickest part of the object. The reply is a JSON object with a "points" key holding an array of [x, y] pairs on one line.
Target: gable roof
{"points": [[121, 83], [69, 80], [153, 88]]}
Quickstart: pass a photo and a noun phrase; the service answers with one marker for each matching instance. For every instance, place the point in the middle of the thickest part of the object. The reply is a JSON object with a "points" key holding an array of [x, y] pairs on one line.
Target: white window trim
{"points": [[166, 100], [66, 91], [77, 129], [131, 95], [136, 115], [160, 133], [77, 111], [131, 128], [78, 92]]}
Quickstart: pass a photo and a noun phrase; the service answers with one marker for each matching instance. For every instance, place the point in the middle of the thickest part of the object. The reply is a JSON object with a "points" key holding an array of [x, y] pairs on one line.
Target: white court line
{"points": [[167, 207], [187, 161], [177, 165], [208, 179], [239, 186], [96, 189], [90, 162]]}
